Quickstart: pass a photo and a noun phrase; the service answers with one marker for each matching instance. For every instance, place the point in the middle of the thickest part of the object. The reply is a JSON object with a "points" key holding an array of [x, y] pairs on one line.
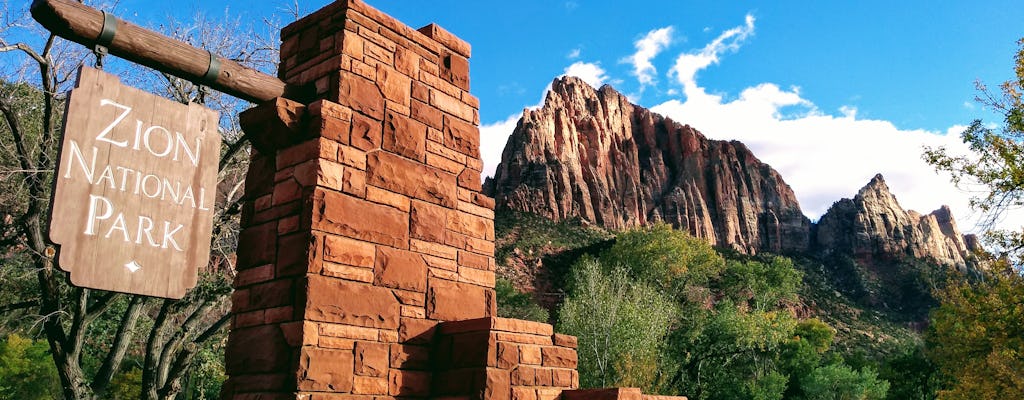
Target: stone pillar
{"points": [[364, 225]]}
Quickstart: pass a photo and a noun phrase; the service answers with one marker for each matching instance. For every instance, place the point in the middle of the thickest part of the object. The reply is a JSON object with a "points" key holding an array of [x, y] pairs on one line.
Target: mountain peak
{"points": [[591, 154]]}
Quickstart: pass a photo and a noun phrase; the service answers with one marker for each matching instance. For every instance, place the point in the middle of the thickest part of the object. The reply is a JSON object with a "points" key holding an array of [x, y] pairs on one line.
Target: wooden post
{"points": [[83, 24]]}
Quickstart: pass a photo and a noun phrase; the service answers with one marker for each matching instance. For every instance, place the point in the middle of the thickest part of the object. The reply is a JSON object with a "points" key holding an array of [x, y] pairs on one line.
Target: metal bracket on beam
{"points": [[105, 38], [212, 71]]}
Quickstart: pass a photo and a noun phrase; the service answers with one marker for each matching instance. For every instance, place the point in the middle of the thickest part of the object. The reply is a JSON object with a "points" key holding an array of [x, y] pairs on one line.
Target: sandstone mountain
{"points": [[873, 228], [590, 154]]}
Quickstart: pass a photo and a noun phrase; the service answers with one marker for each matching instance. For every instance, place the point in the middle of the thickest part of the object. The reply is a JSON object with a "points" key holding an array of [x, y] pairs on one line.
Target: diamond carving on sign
{"points": [[133, 266]]}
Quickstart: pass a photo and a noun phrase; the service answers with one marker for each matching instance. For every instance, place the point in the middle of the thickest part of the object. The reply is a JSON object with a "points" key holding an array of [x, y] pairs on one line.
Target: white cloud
{"points": [[688, 64], [492, 142], [647, 48], [822, 157], [573, 54], [591, 73]]}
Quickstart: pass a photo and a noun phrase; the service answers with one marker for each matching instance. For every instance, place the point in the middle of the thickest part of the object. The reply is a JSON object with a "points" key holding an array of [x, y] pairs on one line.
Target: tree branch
{"points": [[119, 347]]}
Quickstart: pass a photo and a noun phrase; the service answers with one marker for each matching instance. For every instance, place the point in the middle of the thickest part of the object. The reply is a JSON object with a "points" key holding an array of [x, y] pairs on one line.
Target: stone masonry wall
{"points": [[365, 265]]}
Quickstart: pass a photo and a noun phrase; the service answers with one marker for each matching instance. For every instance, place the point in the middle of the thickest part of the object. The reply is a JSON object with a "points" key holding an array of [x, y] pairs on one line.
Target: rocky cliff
{"points": [[591, 154], [873, 228]]}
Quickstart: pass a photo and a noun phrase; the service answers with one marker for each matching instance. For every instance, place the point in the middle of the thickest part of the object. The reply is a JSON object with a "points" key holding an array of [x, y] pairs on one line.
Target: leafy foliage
{"points": [[840, 382], [515, 304], [620, 325], [26, 370], [977, 338]]}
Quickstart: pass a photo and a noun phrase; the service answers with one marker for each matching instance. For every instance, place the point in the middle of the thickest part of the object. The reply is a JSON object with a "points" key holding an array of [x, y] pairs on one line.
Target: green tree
{"points": [[976, 338], [840, 382], [995, 167], [93, 334], [621, 326], [26, 371], [514, 304], [664, 257]]}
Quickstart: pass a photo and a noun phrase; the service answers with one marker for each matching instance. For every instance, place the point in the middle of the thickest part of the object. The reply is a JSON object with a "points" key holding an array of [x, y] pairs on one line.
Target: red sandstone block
{"points": [[295, 254], [366, 132], [360, 94], [333, 343], [300, 153], [530, 355], [452, 105], [381, 196], [286, 192], [471, 100], [461, 136], [521, 326], [472, 260], [562, 340], [403, 176], [352, 157], [407, 61], [251, 318], [260, 383], [443, 274], [388, 336], [406, 356], [444, 164], [543, 377], [288, 225], [447, 39], [524, 376], [333, 129], [325, 108], [436, 82], [270, 294], [300, 333], [470, 225], [394, 85], [405, 136], [441, 263], [400, 269], [497, 385], [523, 393], [476, 276], [416, 331], [559, 357], [603, 394], [250, 276], [255, 245], [413, 311], [410, 298], [325, 370], [278, 315], [401, 109], [352, 46], [429, 67], [451, 301], [346, 251], [335, 300], [364, 70], [372, 50], [348, 273], [421, 92], [346, 332], [258, 349], [372, 359], [476, 210], [508, 355], [455, 69], [475, 163], [359, 219], [434, 249], [480, 246], [377, 39], [435, 147], [427, 221], [369, 385], [524, 338], [561, 378], [548, 394], [470, 179], [409, 383], [264, 202]]}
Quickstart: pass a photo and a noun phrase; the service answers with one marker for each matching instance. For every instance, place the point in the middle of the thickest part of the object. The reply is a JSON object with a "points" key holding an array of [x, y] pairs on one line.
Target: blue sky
{"points": [[827, 92]]}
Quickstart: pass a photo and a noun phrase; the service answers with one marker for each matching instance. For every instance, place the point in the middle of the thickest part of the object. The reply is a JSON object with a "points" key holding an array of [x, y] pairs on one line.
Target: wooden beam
{"points": [[82, 24]]}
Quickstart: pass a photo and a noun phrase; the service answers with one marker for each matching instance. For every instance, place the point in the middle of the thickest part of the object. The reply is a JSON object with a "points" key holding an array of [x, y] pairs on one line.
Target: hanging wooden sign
{"points": [[135, 188]]}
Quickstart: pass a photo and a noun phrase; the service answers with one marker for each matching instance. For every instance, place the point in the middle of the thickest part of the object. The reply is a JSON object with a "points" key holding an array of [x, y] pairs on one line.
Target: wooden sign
{"points": [[135, 188]]}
